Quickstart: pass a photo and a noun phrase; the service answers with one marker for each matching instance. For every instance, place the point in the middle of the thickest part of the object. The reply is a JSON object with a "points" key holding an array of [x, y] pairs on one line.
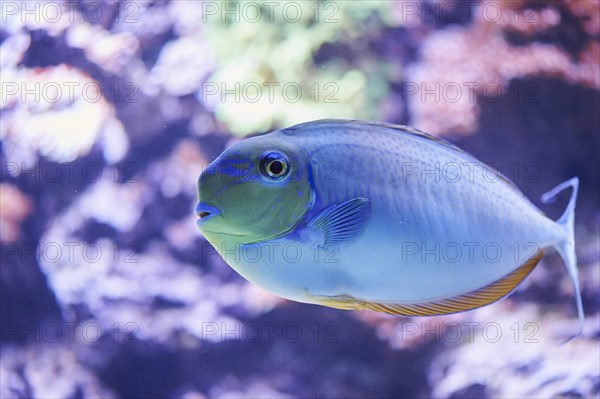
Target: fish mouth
{"points": [[205, 212]]}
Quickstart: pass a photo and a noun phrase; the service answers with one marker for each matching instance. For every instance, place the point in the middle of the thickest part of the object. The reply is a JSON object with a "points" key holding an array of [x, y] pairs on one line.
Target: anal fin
{"points": [[471, 300]]}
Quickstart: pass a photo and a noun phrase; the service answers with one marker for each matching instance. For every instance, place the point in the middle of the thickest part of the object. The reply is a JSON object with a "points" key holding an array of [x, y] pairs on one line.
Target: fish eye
{"points": [[274, 165]]}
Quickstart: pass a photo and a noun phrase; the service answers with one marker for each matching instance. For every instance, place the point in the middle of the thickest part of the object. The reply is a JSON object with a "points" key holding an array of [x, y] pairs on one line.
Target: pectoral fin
{"points": [[471, 300], [341, 222]]}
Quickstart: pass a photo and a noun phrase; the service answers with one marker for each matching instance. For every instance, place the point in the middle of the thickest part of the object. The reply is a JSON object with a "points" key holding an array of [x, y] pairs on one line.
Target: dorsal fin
{"points": [[397, 128], [400, 129], [412, 131], [471, 300]]}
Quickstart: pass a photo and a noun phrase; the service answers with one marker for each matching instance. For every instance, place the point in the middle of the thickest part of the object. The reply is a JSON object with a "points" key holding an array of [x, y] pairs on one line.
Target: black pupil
{"points": [[276, 167]]}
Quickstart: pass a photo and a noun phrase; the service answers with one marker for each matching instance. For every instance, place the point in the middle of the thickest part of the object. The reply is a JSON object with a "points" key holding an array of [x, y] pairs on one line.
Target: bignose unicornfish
{"points": [[359, 215]]}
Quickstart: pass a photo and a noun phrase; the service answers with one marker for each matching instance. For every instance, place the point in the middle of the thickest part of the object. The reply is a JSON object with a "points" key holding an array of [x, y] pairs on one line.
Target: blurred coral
{"points": [[14, 207], [266, 76], [58, 111], [526, 360], [460, 64], [44, 371]]}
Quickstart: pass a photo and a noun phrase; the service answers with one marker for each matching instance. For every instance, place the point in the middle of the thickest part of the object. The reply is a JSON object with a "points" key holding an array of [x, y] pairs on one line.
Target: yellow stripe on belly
{"points": [[471, 300]]}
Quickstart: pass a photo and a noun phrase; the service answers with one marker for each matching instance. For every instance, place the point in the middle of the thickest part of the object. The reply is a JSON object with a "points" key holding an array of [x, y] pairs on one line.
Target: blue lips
{"points": [[205, 212]]}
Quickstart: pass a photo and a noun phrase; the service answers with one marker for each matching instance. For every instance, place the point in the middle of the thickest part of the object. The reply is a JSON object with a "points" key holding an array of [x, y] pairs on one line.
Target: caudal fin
{"points": [[566, 247]]}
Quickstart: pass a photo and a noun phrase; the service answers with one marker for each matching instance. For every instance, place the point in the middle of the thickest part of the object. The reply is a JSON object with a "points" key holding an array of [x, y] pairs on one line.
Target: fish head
{"points": [[256, 190]]}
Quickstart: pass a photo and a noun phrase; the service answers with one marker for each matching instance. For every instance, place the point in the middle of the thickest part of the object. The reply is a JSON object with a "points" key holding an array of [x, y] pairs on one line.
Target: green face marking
{"points": [[254, 191]]}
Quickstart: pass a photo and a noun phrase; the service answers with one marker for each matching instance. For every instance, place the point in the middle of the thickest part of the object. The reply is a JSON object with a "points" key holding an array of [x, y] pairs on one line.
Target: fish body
{"points": [[374, 216]]}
